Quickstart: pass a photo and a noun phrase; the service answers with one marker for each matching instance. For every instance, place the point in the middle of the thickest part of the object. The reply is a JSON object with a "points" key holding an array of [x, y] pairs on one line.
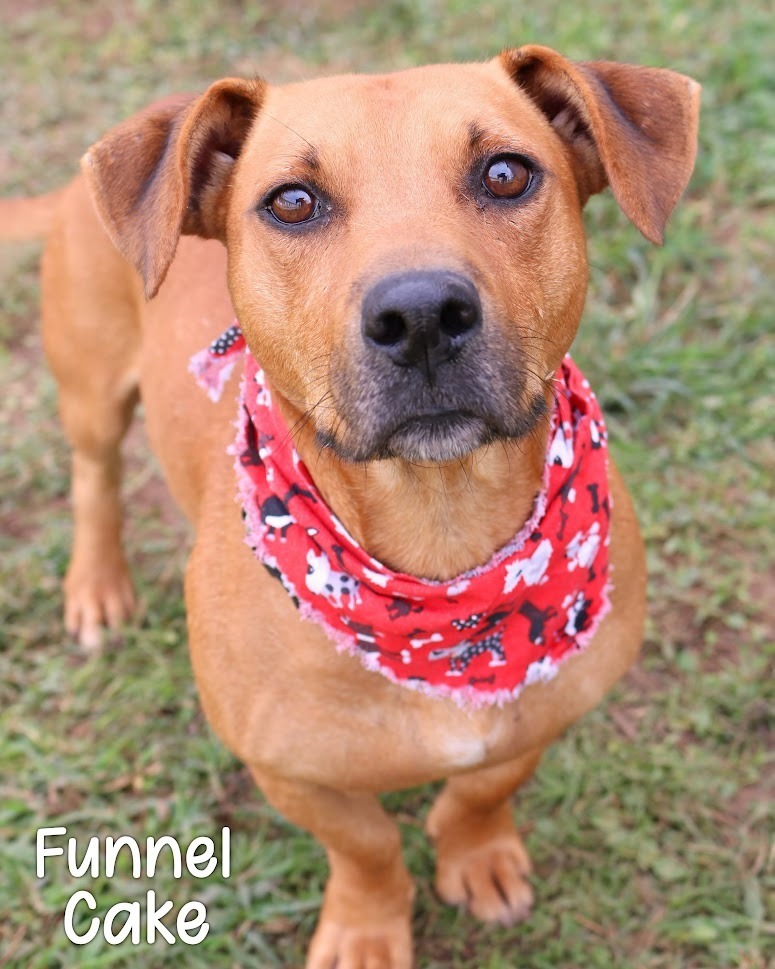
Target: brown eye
{"points": [[294, 204], [506, 178]]}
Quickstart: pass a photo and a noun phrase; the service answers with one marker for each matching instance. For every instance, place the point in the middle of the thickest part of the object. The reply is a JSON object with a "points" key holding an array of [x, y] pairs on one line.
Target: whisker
{"points": [[469, 483], [293, 130], [303, 420]]}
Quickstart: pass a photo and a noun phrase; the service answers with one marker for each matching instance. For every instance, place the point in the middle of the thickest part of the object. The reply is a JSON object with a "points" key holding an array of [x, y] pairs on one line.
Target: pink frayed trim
{"points": [[468, 698], [212, 373], [255, 530], [584, 638]]}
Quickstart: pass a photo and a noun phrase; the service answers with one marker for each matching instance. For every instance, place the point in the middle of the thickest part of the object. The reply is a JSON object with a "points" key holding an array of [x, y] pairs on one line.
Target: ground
{"points": [[650, 824]]}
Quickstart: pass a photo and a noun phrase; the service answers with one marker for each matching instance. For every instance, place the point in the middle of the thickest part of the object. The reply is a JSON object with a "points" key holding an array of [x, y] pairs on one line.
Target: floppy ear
{"points": [[166, 171], [633, 128]]}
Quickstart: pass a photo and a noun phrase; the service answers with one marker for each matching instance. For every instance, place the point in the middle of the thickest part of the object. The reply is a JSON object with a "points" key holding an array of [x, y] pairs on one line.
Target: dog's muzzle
{"points": [[431, 374]]}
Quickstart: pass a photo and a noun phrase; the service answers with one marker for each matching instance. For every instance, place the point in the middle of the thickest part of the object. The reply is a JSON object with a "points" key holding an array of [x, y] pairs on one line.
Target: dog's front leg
{"points": [[481, 862], [365, 919]]}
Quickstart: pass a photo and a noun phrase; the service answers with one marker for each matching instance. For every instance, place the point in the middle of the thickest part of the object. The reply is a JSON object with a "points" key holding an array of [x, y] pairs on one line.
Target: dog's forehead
{"points": [[404, 111]]}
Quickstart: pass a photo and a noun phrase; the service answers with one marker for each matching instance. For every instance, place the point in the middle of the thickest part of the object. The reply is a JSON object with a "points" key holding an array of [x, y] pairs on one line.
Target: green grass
{"points": [[651, 824]]}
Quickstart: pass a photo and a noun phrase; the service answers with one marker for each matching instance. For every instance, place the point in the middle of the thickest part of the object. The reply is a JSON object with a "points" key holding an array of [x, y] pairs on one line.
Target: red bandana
{"points": [[478, 638]]}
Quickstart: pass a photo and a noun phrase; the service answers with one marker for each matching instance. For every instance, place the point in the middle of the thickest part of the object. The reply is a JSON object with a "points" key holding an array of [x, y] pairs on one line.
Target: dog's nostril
{"points": [[457, 317], [390, 329], [421, 319]]}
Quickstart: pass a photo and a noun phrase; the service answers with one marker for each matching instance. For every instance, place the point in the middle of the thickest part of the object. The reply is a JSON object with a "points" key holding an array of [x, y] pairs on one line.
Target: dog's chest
{"points": [[462, 740], [465, 749], [374, 735]]}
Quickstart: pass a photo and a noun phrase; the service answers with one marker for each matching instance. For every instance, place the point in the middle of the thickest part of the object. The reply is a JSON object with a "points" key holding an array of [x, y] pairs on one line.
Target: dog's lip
{"points": [[430, 435], [440, 424], [436, 418], [438, 436]]}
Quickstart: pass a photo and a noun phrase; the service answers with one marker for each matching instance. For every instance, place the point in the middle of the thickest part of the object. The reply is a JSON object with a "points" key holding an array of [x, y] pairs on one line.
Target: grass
{"points": [[651, 824]]}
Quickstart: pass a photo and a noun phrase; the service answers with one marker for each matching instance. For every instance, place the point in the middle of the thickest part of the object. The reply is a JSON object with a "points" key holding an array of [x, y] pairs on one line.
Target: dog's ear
{"points": [[167, 170], [633, 128]]}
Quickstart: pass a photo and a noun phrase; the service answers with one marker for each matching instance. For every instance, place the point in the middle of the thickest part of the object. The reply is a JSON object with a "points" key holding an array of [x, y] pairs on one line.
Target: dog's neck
{"points": [[432, 521]]}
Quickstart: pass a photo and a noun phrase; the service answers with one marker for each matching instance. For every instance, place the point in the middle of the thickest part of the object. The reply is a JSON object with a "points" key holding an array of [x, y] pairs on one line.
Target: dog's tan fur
{"points": [[321, 735]]}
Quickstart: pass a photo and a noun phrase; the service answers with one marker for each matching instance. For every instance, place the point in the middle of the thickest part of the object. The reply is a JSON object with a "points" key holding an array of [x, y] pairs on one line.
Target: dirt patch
{"points": [[749, 800]]}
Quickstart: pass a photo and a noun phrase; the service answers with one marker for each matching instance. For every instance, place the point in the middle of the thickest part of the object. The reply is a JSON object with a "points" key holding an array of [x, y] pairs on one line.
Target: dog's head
{"points": [[406, 251]]}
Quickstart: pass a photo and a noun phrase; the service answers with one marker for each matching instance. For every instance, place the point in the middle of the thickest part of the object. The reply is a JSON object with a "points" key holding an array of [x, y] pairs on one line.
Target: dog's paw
{"points": [[490, 880], [96, 599], [387, 945]]}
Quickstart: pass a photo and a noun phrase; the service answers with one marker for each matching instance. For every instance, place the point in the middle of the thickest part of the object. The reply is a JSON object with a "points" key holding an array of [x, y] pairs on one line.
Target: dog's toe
{"points": [[387, 946], [489, 880], [92, 603]]}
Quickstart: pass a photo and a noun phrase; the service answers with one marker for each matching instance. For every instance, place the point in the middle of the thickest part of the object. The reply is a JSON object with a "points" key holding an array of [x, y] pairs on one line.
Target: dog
{"points": [[404, 254]]}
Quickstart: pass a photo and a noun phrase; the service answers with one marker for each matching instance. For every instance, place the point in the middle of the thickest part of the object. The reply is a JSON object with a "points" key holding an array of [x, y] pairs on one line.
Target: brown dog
{"points": [[319, 193]]}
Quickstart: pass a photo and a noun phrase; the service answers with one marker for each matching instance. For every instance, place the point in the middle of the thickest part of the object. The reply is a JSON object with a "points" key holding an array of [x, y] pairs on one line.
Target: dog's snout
{"points": [[421, 319]]}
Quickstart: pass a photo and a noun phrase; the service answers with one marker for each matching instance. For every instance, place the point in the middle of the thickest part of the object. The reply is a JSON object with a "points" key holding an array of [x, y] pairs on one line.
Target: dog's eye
{"points": [[507, 177], [293, 204]]}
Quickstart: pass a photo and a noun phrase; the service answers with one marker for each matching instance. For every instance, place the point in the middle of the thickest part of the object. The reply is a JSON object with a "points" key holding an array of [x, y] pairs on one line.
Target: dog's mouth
{"points": [[442, 436], [437, 436], [380, 410]]}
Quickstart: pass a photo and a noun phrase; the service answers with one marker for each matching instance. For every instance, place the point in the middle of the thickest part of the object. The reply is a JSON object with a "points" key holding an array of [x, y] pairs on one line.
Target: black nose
{"points": [[421, 319]]}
